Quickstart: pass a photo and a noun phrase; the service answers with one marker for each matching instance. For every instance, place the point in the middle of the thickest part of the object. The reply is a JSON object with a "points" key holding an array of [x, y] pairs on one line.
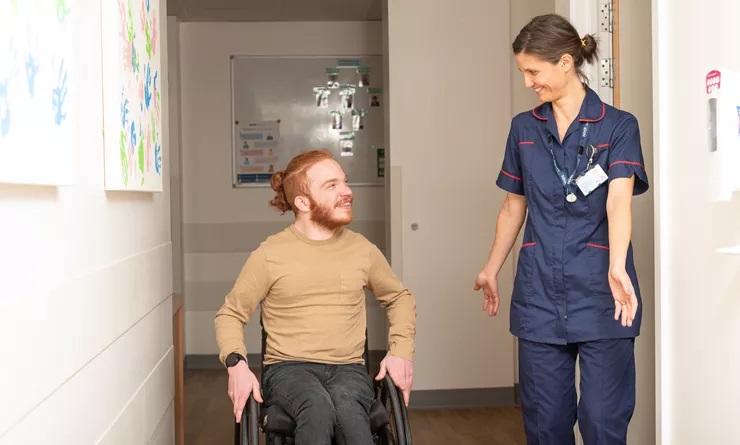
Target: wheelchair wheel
{"points": [[397, 431], [247, 432], [405, 418]]}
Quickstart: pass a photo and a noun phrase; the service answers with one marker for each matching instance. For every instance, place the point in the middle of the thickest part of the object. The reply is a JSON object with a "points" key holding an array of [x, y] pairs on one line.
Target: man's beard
{"points": [[323, 215]]}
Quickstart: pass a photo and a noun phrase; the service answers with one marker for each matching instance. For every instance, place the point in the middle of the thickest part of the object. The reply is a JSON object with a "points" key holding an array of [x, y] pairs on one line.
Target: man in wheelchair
{"points": [[309, 280]]}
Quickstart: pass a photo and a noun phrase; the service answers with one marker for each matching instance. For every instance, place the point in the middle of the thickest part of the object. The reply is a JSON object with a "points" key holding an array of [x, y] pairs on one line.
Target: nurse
{"points": [[570, 168]]}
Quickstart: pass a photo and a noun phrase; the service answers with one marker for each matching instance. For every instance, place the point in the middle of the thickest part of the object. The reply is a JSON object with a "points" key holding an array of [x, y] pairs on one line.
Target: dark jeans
{"points": [[326, 401]]}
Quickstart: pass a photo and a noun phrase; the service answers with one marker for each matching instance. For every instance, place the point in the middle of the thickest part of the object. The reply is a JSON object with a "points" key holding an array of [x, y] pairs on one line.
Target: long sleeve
{"points": [[399, 303], [249, 290]]}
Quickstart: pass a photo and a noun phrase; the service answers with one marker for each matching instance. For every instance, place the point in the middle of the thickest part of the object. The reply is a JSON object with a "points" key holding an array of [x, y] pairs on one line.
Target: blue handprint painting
{"points": [[37, 92], [131, 95]]}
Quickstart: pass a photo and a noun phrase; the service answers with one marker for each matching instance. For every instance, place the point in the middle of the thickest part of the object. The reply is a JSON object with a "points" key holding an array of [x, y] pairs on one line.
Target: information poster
{"points": [[257, 155]]}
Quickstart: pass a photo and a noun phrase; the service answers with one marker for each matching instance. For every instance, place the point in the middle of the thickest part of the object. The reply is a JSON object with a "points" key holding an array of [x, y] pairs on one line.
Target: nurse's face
{"points": [[547, 79]]}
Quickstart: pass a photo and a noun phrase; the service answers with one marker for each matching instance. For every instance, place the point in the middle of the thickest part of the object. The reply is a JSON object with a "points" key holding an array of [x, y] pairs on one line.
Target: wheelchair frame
{"points": [[249, 430]]}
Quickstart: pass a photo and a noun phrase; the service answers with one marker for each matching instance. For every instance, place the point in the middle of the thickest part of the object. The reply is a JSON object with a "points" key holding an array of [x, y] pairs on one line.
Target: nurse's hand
{"points": [[488, 282], [625, 300]]}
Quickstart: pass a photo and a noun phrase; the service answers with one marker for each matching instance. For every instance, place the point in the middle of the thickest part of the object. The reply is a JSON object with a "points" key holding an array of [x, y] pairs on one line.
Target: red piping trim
{"points": [[525, 245], [598, 246], [625, 162], [534, 113], [526, 143], [603, 113], [516, 178], [602, 146]]}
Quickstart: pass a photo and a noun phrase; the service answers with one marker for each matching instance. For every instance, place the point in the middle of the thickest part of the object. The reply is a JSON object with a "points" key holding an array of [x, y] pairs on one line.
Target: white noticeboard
{"points": [[282, 106]]}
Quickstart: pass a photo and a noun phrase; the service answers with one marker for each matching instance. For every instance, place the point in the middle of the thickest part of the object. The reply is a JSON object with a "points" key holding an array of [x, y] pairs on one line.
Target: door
{"points": [[449, 113]]}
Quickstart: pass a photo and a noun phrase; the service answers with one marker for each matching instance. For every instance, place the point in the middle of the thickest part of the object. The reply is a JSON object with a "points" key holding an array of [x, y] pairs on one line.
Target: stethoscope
{"points": [[569, 180]]}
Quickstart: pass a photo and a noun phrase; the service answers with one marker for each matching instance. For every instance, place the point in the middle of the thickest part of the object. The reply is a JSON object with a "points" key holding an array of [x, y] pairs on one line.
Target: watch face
{"points": [[232, 359]]}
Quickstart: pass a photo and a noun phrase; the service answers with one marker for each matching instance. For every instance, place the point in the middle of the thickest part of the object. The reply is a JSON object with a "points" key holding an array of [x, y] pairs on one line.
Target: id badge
{"points": [[590, 180]]}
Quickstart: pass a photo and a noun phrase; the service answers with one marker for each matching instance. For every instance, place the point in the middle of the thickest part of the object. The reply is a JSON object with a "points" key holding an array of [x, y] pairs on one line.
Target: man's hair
{"points": [[293, 181]]}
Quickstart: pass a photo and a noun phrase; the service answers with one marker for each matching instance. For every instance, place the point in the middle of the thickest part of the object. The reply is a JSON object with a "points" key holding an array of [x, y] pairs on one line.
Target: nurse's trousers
{"points": [[548, 394]]}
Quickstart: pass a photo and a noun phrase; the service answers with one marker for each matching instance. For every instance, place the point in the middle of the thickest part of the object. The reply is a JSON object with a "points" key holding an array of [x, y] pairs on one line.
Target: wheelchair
{"points": [[388, 416]]}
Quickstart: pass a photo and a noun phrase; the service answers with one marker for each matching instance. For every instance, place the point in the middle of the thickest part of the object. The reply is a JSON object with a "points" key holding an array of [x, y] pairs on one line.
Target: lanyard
{"points": [[566, 179]]}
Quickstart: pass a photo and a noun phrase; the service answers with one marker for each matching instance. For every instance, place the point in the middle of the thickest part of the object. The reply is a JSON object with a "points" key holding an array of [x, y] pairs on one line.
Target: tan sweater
{"points": [[313, 303]]}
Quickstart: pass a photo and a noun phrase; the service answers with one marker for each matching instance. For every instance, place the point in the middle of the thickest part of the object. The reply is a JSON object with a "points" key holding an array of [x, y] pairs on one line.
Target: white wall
{"points": [[85, 312], [449, 113], [698, 351], [636, 86], [221, 225]]}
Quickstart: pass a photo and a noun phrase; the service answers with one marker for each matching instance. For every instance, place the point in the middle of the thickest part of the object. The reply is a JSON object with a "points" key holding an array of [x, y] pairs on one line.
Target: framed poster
{"points": [[37, 95], [257, 153], [132, 83]]}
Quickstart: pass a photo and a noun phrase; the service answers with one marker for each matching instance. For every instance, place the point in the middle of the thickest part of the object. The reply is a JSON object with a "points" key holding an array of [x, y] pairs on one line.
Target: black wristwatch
{"points": [[234, 358]]}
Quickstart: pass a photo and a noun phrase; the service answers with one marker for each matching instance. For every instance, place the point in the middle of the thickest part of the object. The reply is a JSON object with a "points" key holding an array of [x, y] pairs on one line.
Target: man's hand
{"points": [[242, 382], [401, 372], [488, 281], [625, 300]]}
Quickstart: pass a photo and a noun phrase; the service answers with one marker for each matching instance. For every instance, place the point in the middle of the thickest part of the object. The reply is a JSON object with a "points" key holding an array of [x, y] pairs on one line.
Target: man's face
{"points": [[331, 197]]}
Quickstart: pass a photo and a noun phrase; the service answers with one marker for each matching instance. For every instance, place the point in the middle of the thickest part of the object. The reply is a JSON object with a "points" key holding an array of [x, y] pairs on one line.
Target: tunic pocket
{"points": [[525, 269], [523, 294], [598, 254]]}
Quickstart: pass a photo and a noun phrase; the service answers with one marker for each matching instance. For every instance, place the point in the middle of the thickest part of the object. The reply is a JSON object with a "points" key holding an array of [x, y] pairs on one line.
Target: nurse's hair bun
{"points": [[589, 48]]}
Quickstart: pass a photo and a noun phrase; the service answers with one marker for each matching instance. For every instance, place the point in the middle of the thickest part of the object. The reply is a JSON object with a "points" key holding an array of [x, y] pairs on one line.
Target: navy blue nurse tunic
{"points": [[561, 290]]}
